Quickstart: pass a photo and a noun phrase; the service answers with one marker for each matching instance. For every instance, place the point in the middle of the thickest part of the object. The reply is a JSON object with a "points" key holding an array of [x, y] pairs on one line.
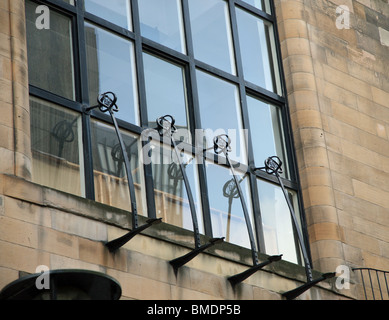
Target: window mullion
{"points": [[250, 155], [84, 98]]}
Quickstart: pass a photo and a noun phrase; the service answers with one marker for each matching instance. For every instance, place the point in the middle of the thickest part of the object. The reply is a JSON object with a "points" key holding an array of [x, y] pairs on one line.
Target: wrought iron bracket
{"points": [[180, 261], [107, 102], [113, 245], [222, 144], [234, 280], [273, 165], [292, 294], [166, 128]]}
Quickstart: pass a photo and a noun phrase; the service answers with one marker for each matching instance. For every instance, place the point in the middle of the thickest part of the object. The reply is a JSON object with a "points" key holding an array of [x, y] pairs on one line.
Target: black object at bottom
{"points": [[290, 295], [117, 243], [245, 274], [179, 262]]}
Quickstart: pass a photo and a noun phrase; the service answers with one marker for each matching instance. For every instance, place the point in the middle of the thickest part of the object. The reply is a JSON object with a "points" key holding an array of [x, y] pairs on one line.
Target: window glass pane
{"points": [[161, 21], [111, 185], [165, 91], [50, 52], [220, 113], [211, 33], [56, 143], [111, 67], [278, 230], [171, 198], [115, 11], [227, 214], [257, 58], [266, 132], [260, 4]]}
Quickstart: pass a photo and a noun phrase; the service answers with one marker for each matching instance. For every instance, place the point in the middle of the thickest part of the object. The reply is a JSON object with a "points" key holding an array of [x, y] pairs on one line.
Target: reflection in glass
{"points": [[171, 199], [221, 114], [56, 144], [211, 33], [111, 67], [161, 21], [260, 4], [257, 59], [111, 186], [227, 214], [115, 11], [266, 132], [50, 69], [277, 222], [165, 91]]}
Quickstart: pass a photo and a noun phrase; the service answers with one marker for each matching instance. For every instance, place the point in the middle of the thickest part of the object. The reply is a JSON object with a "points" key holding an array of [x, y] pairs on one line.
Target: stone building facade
{"points": [[335, 58]]}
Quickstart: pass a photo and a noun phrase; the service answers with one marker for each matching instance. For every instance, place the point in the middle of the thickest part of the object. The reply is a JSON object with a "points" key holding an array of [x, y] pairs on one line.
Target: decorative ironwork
{"points": [[273, 165], [376, 286], [63, 132], [166, 128], [232, 189], [107, 102]]}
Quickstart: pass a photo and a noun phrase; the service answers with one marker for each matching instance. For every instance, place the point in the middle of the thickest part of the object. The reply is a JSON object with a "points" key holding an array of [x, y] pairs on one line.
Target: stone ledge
{"points": [[26, 191]]}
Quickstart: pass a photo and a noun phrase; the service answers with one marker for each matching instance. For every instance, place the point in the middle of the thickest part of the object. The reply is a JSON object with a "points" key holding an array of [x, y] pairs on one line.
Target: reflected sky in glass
{"points": [[111, 67], [165, 90], [115, 11], [277, 222], [161, 21], [220, 113], [211, 33], [254, 49], [266, 133]]}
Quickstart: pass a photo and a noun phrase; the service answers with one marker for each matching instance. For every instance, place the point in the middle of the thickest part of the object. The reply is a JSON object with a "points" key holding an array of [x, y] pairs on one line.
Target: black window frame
{"points": [[190, 65]]}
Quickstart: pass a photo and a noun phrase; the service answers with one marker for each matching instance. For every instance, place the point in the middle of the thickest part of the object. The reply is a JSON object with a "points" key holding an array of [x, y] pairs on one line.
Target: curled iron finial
{"points": [[107, 101], [273, 165], [221, 143], [166, 124]]}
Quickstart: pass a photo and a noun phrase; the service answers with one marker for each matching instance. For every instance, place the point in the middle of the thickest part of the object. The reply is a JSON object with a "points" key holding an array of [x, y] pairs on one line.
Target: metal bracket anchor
{"points": [[292, 294], [180, 261], [234, 280], [107, 102]]}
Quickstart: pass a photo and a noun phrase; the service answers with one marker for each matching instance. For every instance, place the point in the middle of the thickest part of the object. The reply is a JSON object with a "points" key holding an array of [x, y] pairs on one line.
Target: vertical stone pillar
{"points": [[15, 151], [298, 54]]}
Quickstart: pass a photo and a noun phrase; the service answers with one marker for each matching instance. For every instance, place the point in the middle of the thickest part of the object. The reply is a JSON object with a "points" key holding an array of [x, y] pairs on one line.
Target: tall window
{"points": [[213, 65]]}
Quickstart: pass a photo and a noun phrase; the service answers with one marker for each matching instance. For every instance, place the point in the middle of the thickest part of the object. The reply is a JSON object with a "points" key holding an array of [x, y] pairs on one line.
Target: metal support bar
{"points": [[222, 145], [113, 245], [179, 262], [292, 294], [107, 102], [273, 165], [166, 128], [245, 274]]}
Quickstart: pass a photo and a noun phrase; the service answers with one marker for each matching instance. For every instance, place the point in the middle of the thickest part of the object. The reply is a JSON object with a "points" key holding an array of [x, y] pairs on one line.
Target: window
{"points": [[42, 59], [111, 67], [161, 21], [211, 32], [56, 147], [213, 65], [115, 11], [165, 90]]}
